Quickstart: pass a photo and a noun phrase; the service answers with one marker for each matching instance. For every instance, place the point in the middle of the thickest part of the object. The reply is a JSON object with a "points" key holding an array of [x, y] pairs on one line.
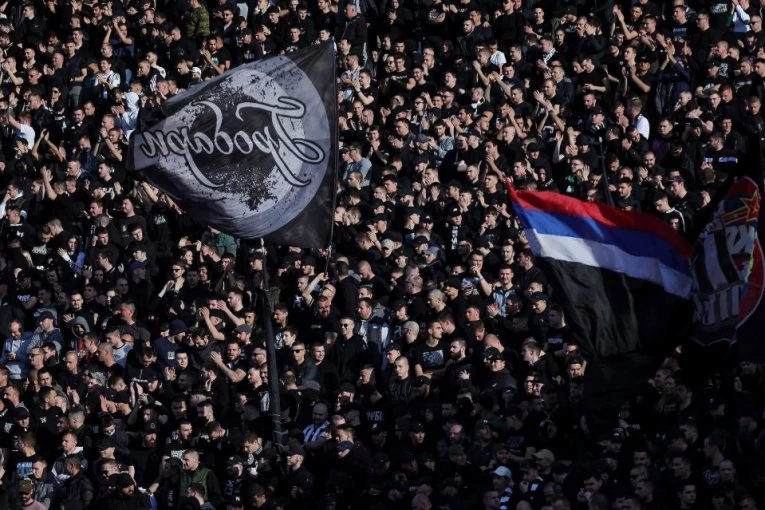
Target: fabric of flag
{"points": [[251, 152], [728, 271], [623, 280]]}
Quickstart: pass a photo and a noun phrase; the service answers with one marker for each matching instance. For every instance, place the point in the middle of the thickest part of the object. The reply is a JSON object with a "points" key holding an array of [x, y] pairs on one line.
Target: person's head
{"points": [[190, 460], [73, 464], [402, 367]]}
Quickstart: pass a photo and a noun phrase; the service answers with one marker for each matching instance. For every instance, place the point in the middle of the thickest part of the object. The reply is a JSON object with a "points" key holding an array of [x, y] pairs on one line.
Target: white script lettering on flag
{"points": [[256, 142]]}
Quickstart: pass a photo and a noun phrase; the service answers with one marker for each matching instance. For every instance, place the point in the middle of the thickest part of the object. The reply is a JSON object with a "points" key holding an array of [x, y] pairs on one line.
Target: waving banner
{"points": [[252, 152]]}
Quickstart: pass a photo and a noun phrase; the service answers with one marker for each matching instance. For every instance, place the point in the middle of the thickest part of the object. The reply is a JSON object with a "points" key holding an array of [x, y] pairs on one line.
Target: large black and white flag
{"points": [[252, 152]]}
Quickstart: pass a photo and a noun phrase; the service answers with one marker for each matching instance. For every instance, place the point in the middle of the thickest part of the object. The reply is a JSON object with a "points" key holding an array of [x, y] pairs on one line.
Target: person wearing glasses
{"points": [[349, 351], [304, 368]]}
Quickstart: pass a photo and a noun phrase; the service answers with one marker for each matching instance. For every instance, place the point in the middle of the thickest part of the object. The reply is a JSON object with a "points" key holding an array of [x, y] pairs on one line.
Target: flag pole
{"points": [[274, 397]]}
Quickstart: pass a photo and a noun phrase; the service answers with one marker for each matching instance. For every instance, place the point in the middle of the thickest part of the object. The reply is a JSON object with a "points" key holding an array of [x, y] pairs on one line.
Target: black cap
{"points": [[454, 211], [296, 449], [348, 387], [46, 315], [492, 352], [420, 240], [417, 426], [124, 480], [20, 413], [398, 304], [538, 296], [234, 460]]}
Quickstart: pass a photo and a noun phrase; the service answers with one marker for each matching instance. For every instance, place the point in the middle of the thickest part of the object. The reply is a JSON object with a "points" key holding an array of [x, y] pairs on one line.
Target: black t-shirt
{"points": [[430, 358]]}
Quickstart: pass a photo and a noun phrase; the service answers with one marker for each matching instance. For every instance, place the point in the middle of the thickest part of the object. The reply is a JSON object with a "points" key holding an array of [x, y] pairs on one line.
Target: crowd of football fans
{"points": [[423, 361]]}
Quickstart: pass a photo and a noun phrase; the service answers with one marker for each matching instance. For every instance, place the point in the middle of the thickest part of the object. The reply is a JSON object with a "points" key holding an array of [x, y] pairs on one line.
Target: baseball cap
{"points": [[417, 426], [503, 472], [420, 240], [296, 449], [196, 70], [545, 454], [243, 328], [20, 413], [676, 178], [387, 243], [234, 460], [433, 250], [124, 480], [45, 315], [151, 427], [538, 296], [492, 352], [348, 387]]}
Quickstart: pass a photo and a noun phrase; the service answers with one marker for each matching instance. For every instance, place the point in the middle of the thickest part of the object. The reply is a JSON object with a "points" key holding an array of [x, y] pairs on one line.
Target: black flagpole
{"points": [[275, 407]]}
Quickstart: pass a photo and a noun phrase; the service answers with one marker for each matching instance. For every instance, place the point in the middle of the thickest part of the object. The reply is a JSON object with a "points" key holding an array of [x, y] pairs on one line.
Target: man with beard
{"points": [[325, 318], [180, 440], [456, 367], [147, 456], [125, 495]]}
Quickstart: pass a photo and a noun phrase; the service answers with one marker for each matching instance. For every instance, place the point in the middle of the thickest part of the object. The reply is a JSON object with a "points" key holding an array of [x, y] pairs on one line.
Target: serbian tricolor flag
{"points": [[622, 278]]}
